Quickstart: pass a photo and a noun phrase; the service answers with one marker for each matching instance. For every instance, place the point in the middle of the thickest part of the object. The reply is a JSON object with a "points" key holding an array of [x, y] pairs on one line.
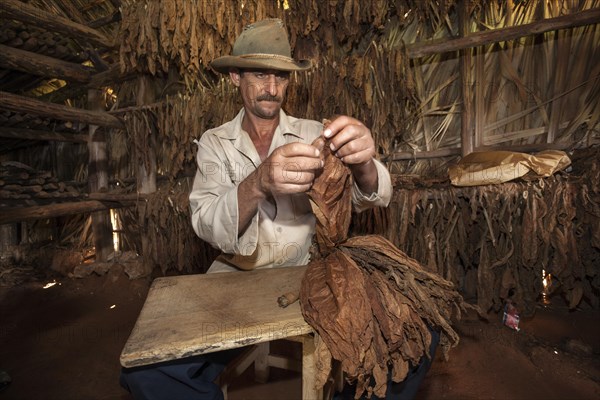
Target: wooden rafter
{"points": [[33, 134], [17, 214], [41, 65], [587, 17], [21, 104]]}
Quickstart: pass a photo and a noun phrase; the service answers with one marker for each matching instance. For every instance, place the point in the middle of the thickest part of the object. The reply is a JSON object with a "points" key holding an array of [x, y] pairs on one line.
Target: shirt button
{"points": [[279, 229]]}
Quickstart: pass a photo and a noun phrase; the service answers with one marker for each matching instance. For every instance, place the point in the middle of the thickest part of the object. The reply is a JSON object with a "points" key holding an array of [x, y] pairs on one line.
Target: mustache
{"points": [[269, 97]]}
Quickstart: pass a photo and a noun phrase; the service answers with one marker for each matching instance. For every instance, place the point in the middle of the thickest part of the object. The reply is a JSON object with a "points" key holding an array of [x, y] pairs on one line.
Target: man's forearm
{"points": [[249, 196], [366, 177]]}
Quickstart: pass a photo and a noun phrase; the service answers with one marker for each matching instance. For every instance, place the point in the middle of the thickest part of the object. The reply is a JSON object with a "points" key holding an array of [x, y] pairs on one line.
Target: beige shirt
{"points": [[279, 234]]}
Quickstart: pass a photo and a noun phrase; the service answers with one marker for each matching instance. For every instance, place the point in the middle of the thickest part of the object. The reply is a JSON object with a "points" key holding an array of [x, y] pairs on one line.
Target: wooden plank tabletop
{"points": [[196, 314]]}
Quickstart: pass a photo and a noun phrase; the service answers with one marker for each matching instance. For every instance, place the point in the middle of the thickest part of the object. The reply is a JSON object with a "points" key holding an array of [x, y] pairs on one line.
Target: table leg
{"points": [[261, 364], [309, 392]]}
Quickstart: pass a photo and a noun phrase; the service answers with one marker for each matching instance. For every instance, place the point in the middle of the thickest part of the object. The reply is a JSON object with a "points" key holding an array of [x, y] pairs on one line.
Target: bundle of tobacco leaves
{"points": [[371, 304]]}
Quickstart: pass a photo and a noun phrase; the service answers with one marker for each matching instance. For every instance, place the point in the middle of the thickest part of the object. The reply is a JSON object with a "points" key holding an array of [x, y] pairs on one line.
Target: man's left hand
{"points": [[351, 141]]}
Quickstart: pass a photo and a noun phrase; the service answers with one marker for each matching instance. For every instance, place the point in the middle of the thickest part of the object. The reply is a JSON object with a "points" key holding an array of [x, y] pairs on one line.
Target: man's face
{"points": [[263, 91]]}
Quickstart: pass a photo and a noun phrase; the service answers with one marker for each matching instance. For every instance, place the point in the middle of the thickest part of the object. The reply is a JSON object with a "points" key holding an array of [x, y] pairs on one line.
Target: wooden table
{"points": [[197, 314]]}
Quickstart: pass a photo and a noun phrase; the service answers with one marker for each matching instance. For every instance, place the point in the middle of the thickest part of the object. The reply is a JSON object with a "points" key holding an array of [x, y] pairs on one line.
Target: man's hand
{"points": [[352, 142], [289, 169]]}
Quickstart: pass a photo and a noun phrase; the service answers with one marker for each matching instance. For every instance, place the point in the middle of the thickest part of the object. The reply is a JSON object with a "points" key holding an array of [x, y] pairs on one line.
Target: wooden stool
{"points": [[261, 357], [197, 314]]}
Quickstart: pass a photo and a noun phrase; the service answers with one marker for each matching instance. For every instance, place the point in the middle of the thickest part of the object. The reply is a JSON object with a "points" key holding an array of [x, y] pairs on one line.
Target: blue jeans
{"points": [[192, 378], [185, 379], [408, 388]]}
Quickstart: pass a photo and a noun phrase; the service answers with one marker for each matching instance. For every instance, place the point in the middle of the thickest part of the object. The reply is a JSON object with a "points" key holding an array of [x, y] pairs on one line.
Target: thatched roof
{"points": [[370, 63]]}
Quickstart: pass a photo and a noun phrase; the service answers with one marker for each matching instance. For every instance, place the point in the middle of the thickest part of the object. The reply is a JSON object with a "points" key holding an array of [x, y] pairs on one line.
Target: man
{"points": [[248, 198], [249, 194]]}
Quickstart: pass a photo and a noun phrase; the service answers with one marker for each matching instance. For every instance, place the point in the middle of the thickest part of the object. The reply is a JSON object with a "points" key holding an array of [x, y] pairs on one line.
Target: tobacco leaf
{"points": [[372, 305], [331, 200]]}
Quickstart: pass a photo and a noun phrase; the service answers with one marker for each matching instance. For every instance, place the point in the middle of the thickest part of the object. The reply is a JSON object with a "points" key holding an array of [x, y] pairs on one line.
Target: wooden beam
{"points": [[31, 134], [70, 11], [98, 180], [408, 155], [587, 17], [41, 65], [146, 171], [124, 198], [21, 104], [17, 214], [109, 77], [455, 151], [466, 77], [14, 9], [109, 19], [533, 147]]}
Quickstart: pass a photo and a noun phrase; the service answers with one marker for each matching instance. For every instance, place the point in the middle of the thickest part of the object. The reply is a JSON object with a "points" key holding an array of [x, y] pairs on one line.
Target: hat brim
{"points": [[227, 63]]}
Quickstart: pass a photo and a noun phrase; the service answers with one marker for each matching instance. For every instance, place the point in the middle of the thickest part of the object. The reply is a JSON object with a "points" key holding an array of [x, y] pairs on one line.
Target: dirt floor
{"points": [[63, 342]]}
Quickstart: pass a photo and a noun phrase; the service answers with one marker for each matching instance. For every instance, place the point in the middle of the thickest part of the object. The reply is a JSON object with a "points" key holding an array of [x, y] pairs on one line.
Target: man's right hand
{"points": [[290, 168]]}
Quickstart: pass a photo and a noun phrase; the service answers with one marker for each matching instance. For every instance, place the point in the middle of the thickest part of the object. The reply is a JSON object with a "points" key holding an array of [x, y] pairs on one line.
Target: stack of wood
{"points": [[21, 185], [31, 38]]}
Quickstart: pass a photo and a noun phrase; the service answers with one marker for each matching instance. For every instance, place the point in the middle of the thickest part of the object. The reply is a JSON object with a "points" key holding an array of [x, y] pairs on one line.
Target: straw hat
{"points": [[262, 45]]}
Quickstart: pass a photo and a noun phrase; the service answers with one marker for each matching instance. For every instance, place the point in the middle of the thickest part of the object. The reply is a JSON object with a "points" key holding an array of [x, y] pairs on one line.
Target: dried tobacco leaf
{"points": [[331, 200], [371, 304]]}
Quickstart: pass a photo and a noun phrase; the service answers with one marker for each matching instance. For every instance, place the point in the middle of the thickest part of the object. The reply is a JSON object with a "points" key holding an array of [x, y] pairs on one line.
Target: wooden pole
{"points": [[98, 180], [31, 134], [466, 75], [109, 19], [587, 17], [479, 96], [146, 177], [563, 44], [146, 182], [21, 104], [8, 238], [16, 214], [455, 151], [14, 9], [40, 65], [407, 155], [105, 78]]}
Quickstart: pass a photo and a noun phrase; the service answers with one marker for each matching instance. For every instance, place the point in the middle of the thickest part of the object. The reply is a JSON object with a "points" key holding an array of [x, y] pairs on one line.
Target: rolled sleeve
{"points": [[380, 198], [214, 207]]}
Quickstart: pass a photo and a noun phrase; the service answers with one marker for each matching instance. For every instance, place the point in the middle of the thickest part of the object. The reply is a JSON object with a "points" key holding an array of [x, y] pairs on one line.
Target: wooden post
{"points": [[146, 175], [98, 180], [563, 45], [466, 62], [479, 96], [8, 239]]}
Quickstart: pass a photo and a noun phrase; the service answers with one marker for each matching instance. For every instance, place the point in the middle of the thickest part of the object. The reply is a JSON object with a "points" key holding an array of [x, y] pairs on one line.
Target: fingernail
{"points": [[317, 152], [327, 132], [332, 147], [322, 163]]}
